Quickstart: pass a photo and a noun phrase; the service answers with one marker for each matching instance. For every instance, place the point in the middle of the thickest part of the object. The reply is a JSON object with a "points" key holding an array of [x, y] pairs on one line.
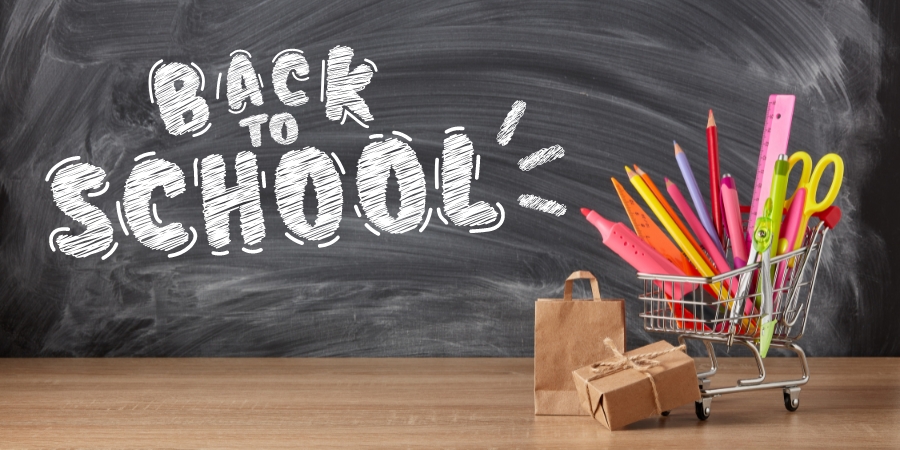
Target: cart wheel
{"points": [[791, 404], [665, 413], [701, 410]]}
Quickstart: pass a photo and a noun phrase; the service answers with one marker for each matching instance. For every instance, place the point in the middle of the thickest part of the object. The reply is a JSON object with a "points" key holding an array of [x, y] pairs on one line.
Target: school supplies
{"points": [[762, 242], [791, 225], [707, 241], [795, 203], [745, 305], [667, 221], [636, 252], [811, 184], [732, 210], [671, 212], [694, 190], [650, 232], [715, 196], [830, 217], [790, 315], [776, 133], [779, 186], [768, 235]]}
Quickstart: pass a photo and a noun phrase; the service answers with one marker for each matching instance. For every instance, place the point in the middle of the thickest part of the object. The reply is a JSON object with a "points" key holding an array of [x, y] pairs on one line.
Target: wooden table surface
{"points": [[404, 403]]}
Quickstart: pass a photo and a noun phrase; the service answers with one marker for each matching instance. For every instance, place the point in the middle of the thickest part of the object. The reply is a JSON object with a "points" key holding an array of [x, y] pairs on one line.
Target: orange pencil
{"points": [[675, 218], [651, 233]]}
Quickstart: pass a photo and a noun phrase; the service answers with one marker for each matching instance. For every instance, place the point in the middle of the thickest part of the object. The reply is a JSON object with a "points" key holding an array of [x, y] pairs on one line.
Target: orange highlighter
{"points": [[650, 232], [671, 213], [697, 258]]}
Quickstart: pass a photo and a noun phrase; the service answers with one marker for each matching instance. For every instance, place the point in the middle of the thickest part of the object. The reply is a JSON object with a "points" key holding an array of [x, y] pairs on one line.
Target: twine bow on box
{"points": [[642, 363]]}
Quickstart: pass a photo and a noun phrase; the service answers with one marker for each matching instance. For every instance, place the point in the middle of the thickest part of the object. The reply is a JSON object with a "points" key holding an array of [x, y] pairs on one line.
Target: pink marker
{"points": [[713, 250], [620, 239], [791, 227], [788, 242], [735, 228]]}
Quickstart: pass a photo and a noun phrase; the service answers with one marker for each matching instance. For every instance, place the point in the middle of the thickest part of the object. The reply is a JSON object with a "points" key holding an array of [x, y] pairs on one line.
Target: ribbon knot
{"points": [[642, 363]]}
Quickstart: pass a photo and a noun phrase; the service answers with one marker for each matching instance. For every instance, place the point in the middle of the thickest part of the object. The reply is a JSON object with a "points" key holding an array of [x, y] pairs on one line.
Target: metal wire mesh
{"points": [[728, 305]]}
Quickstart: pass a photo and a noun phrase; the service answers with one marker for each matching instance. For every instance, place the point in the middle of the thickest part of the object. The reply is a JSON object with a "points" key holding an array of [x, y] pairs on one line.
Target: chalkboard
{"points": [[175, 138]]}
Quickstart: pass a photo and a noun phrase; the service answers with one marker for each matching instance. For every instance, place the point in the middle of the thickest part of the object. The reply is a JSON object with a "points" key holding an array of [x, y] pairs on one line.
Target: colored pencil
{"points": [[718, 256], [671, 212], [696, 196], [715, 196], [696, 257]]}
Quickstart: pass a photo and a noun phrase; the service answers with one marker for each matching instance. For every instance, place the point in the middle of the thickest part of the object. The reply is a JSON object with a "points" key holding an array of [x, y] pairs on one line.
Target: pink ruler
{"points": [[775, 138]]}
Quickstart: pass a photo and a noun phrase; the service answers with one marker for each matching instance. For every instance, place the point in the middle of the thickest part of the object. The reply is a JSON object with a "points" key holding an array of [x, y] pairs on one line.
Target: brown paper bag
{"points": [[639, 384], [567, 335]]}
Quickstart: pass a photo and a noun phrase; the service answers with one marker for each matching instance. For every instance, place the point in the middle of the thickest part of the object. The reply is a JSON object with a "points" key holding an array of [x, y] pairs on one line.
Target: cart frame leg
{"points": [[790, 387]]}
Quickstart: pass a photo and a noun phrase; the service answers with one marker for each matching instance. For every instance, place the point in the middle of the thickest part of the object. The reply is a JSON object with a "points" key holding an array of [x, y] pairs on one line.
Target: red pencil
{"points": [[715, 195]]}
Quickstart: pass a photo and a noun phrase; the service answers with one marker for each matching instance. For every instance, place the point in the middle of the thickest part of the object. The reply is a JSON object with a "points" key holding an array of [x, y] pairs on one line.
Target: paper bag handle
{"points": [[581, 275]]}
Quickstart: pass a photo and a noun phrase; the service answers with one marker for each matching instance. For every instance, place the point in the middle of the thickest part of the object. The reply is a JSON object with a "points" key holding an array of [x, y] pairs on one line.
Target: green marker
{"points": [[778, 192]]}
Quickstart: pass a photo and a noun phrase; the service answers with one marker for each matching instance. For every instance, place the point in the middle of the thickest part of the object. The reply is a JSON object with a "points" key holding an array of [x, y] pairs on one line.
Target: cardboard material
{"points": [[626, 396], [567, 335]]}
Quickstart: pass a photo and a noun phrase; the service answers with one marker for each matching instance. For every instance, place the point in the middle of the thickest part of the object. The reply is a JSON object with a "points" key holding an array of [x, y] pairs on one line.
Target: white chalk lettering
{"points": [[180, 108], [242, 83], [290, 184], [373, 170], [254, 123], [291, 62], [342, 86], [67, 187], [144, 177], [456, 175], [283, 128], [219, 201]]}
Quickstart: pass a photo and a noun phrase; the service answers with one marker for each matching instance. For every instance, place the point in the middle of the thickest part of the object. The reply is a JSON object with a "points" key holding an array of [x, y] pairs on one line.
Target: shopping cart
{"points": [[725, 309]]}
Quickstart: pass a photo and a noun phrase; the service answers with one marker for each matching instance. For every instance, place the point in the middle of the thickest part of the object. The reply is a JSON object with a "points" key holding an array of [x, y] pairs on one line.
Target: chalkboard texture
{"points": [[597, 84]]}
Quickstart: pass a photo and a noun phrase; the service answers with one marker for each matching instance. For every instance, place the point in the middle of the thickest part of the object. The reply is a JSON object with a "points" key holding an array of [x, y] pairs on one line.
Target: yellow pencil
{"points": [[669, 210], [680, 239]]}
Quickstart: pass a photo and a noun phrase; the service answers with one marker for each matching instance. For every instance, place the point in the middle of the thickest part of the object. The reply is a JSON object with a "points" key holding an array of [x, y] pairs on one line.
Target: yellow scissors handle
{"points": [[805, 169], [812, 205]]}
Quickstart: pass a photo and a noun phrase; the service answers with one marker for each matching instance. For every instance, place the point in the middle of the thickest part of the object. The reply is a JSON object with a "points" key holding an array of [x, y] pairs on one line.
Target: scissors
{"points": [[807, 189]]}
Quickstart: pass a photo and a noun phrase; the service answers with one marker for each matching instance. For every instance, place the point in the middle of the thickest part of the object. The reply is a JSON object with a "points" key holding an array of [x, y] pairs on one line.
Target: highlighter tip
{"points": [[728, 182], [585, 211]]}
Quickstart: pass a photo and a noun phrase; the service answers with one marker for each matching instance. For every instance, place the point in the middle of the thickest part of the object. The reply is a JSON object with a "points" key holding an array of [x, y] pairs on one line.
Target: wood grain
{"points": [[405, 403]]}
